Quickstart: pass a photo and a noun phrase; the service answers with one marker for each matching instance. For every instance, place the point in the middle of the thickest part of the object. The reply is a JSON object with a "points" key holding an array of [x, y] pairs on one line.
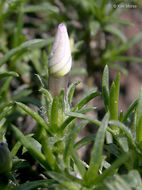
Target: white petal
{"points": [[60, 56]]}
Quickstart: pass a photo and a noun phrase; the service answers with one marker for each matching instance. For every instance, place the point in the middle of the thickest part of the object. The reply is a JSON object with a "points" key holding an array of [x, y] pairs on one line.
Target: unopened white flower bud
{"points": [[60, 60]]}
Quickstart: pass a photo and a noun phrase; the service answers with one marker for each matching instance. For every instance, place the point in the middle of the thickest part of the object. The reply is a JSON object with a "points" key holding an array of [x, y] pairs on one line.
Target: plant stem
{"points": [[56, 84]]}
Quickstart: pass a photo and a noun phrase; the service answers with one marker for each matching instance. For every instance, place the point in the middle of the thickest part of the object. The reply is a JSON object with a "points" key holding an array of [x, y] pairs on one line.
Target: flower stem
{"points": [[56, 84]]}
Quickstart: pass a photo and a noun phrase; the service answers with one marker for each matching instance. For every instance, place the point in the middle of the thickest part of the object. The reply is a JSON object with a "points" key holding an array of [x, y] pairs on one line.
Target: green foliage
{"points": [[58, 155], [26, 46], [95, 161], [51, 149]]}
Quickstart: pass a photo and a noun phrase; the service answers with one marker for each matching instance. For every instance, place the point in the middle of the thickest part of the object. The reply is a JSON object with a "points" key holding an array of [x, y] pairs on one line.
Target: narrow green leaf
{"points": [[35, 184], [117, 66], [4, 90], [115, 31], [130, 110], [30, 147], [47, 94], [19, 164], [5, 105], [70, 185], [128, 133], [61, 107], [70, 91], [14, 4], [123, 127], [78, 163], [5, 112], [47, 152], [26, 46], [74, 115], [134, 180], [18, 36], [8, 74], [76, 49], [85, 117], [123, 142], [96, 157], [113, 149], [129, 43], [121, 115], [117, 83], [105, 87], [103, 5], [34, 115], [139, 130], [84, 141], [86, 98], [66, 122], [134, 124], [15, 149], [30, 100], [113, 100], [113, 108], [129, 59], [118, 183], [120, 21], [86, 109], [139, 117], [47, 104], [112, 169], [71, 139], [3, 48], [45, 7], [21, 94], [56, 112], [34, 58], [109, 138], [34, 142]]}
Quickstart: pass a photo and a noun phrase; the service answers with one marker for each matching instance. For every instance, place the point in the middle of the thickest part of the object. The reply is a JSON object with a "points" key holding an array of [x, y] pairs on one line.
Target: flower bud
{"points": [[5, 158], [60, 59]]}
